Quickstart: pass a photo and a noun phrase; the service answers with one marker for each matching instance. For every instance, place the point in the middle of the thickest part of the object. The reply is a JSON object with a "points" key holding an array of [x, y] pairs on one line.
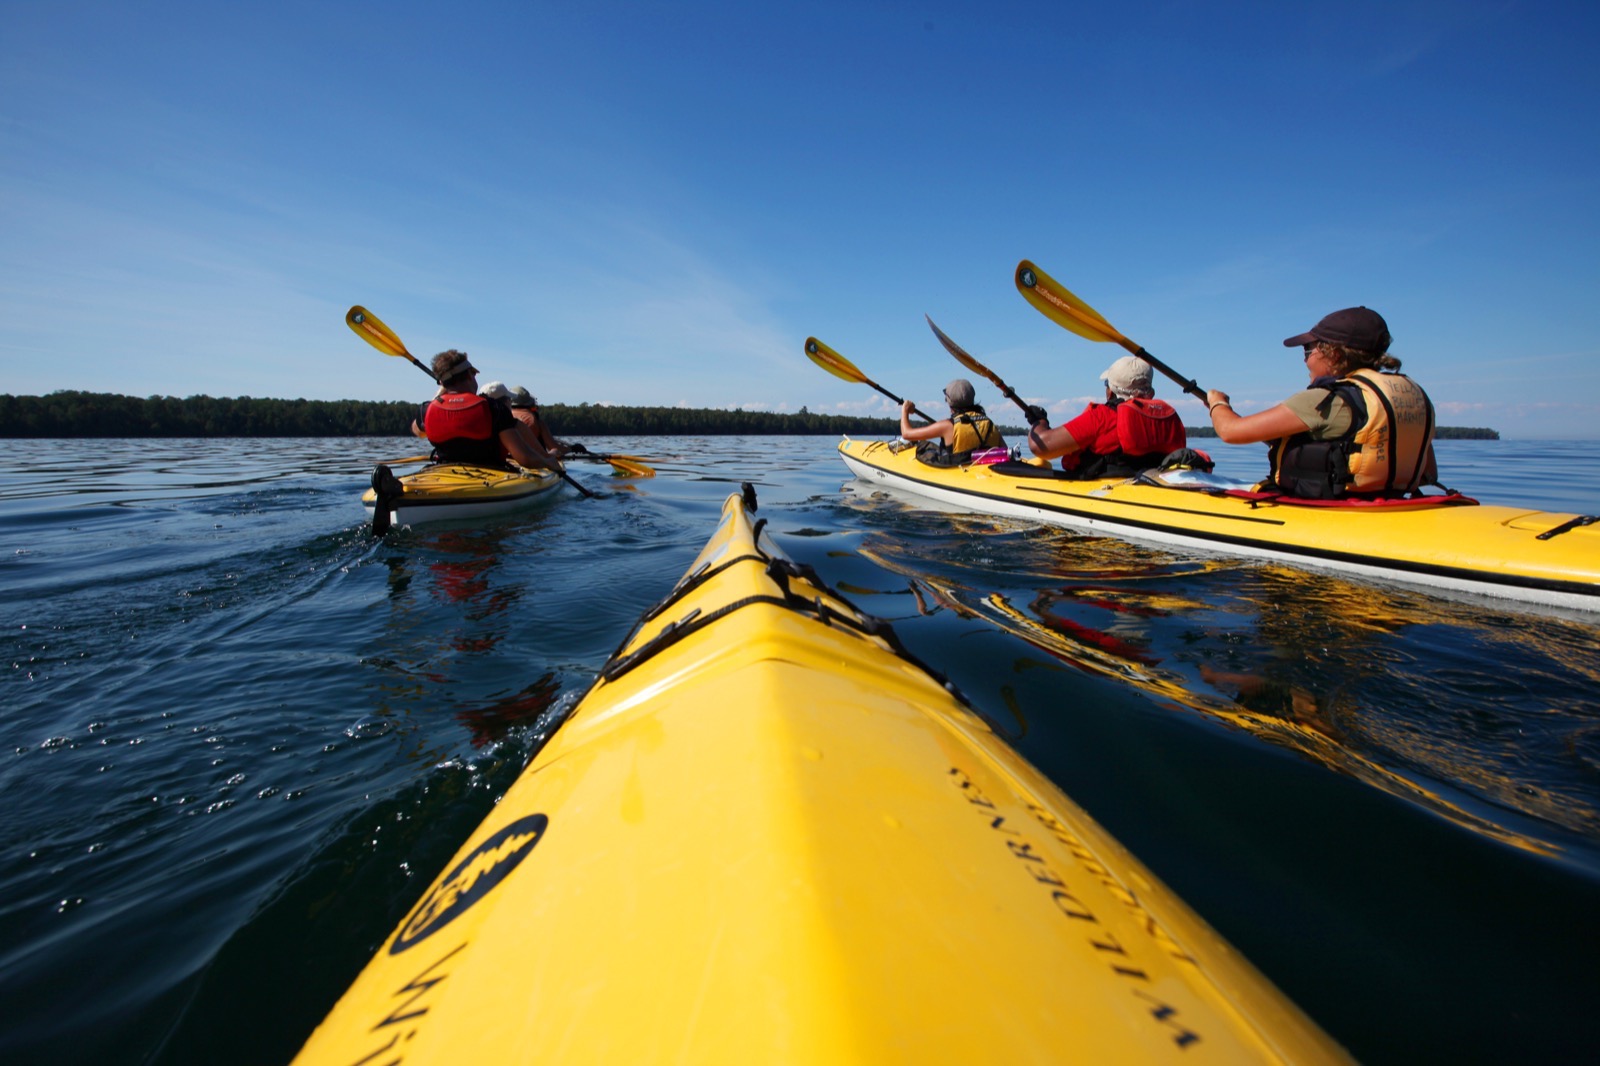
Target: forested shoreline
{"points": [[99, 414]]}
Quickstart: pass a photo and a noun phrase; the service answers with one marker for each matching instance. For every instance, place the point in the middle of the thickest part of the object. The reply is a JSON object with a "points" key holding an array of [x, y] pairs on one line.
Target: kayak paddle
{"points": [[370, 328], [1060, 306], [840, 367], [976, 367], [626, 465]]}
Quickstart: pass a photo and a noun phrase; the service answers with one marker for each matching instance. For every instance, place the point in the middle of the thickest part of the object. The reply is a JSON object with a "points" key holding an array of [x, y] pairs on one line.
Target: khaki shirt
{"points": [[1325, 420]]}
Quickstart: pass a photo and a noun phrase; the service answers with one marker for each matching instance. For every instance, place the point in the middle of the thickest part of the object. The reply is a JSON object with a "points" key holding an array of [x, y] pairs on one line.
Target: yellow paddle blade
{"points": [[370, 328], [1058, 304], [629, 468], [833, 362]]}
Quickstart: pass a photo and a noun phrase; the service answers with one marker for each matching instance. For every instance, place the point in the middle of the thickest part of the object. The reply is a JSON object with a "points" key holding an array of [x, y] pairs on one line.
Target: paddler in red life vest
{"points": [[474, 430], [1361, 429], [1130, 432], [951, 441]]}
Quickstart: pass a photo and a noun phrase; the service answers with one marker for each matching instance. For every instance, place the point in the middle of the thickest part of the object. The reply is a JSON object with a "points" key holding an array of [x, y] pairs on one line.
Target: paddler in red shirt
{"points": [[1130, 432], [474, 430]]}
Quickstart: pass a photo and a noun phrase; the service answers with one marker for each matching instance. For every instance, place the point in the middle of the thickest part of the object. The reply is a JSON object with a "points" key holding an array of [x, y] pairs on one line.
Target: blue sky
{"points": [[655, 203]]}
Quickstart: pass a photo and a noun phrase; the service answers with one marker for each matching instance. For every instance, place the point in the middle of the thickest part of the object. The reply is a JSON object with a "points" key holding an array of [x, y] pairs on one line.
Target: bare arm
{"points": [[1274, 423], [941, 428], [531, 457], [546, 439], [1049, 443], [530, 438]]}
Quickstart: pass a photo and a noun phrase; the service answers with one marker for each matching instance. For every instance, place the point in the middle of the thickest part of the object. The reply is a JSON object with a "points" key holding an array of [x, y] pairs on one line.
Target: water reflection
{"points": [[1352, 677], [492, 722], [453, 603]]}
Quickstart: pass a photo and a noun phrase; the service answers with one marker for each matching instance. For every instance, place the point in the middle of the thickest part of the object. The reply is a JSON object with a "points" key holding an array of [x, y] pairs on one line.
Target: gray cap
{"points": [[959, 393], [521, 397]]}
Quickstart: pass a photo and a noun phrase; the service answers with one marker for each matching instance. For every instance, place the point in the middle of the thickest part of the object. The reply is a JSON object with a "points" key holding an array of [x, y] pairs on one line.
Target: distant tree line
{"points": [[595, 420], [99, 414], [102, 414]]}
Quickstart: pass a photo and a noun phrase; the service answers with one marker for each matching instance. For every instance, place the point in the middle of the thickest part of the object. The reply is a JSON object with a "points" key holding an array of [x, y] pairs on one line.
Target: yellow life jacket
{"points": [[1384, 453], [971, 430]]}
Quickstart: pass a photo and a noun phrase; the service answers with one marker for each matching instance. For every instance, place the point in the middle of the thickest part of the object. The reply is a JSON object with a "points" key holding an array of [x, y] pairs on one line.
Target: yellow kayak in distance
{"points": [[1512, 553], [456, 492], [768, 835]]}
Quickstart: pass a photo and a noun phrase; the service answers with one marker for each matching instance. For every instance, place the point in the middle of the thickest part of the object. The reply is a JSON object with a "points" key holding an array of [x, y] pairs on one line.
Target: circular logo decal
{"points": [[489, 863], [1028, 278]]}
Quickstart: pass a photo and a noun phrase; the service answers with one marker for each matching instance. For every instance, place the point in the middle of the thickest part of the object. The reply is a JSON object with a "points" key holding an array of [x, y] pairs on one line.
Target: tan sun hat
{"points": [[1128, 376]]}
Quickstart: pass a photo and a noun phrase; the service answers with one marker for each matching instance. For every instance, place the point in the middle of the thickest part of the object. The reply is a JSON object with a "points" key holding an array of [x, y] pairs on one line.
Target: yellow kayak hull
{"points": [[767, 836], [1511, 552], [453, 492]]}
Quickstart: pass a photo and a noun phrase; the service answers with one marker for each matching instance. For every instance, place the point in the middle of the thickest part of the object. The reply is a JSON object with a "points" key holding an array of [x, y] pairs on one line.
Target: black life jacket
{"points": [[1384, 453]]}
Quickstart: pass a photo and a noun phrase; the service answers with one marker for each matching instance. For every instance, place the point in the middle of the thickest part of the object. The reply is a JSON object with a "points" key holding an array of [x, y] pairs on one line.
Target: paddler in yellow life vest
{"points": [[1361, 429], [951, 441]]}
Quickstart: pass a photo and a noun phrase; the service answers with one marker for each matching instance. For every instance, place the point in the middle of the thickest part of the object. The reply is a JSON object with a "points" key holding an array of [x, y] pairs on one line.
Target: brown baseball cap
{"points": [[1360, 328]]}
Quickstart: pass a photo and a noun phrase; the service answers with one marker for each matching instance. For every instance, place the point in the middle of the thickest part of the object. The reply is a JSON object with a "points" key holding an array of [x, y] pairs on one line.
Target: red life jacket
{"points": [[458, 415], [460, 426], [1140, 436]]}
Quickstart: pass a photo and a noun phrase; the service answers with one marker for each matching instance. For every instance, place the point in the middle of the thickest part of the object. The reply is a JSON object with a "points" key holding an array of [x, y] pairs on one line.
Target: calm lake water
{"points": [[241, 735]]}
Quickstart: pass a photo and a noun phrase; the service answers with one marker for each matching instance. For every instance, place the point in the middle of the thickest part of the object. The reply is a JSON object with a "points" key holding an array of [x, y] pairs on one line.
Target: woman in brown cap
{"points": [[1361, 428]]}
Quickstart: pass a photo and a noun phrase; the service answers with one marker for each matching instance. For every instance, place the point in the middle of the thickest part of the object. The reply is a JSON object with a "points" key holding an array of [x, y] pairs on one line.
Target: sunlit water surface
{"points": [[241, 735]]}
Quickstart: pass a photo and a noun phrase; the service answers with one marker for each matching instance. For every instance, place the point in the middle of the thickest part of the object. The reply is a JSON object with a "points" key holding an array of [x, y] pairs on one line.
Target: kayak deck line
{"points": [[1568, 526], [771, 837], [1480, 549], [1107, 496]]}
